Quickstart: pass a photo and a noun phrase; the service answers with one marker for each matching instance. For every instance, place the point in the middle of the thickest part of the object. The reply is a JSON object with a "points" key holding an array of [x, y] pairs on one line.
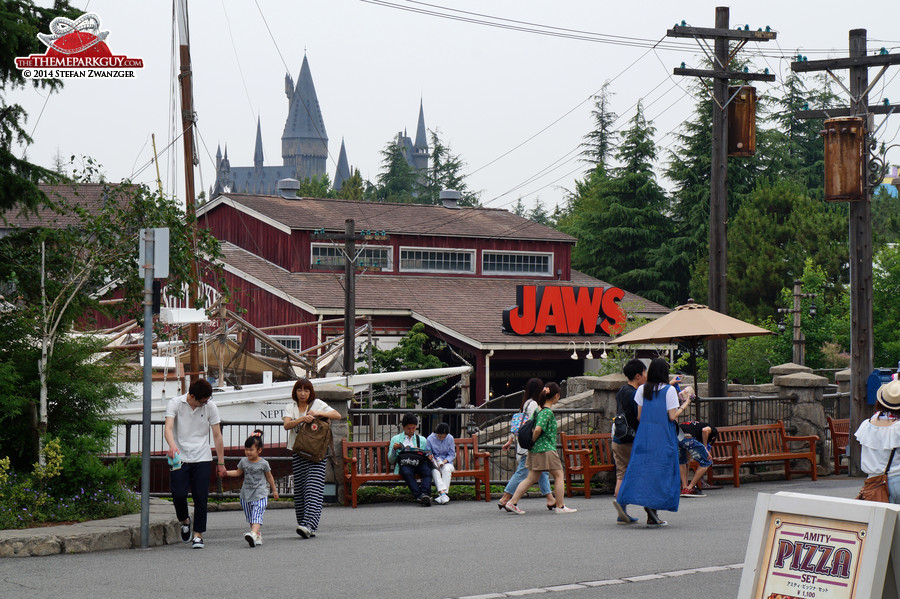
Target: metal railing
{"points": [[489, 424]]}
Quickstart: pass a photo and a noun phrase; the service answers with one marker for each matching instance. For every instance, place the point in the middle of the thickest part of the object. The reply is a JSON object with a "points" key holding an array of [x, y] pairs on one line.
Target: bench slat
{"points": [[585, 456], [739, 445]]}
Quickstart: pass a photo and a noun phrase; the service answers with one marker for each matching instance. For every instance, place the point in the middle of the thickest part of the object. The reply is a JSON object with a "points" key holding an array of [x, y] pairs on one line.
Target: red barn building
{"points": [[499, 289]]}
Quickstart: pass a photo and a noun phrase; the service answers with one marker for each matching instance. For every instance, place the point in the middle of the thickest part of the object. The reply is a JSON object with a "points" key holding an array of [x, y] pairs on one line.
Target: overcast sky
{"points": [[513, 105]]}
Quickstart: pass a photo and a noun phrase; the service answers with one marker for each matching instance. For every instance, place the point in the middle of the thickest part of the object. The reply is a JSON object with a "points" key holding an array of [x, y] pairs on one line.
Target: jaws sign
{"points": [[565, 311]]}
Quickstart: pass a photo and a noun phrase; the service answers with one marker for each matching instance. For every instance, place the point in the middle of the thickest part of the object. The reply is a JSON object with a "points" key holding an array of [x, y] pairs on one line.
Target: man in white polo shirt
{"points": [[189, 419]]}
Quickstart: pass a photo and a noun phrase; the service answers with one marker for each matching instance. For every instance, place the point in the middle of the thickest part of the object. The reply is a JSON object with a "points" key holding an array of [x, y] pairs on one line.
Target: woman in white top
{"points": [[879, 435], [309, 477]]}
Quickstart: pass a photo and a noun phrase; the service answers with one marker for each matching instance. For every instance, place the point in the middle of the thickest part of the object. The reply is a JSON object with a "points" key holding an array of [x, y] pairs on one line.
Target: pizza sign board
{"points": [[815, 547]]}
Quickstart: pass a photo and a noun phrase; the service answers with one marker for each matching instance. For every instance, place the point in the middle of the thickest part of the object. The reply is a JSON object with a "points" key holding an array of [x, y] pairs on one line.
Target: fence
{"points": [[489, 424]]}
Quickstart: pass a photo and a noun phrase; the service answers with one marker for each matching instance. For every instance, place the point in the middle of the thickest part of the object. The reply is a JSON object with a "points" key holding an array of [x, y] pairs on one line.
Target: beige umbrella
{"points": [[690, 324]]}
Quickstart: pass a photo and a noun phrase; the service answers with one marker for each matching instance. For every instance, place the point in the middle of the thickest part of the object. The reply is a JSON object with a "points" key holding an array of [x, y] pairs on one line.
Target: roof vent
{"points": [[450, 198], [288, 188]]}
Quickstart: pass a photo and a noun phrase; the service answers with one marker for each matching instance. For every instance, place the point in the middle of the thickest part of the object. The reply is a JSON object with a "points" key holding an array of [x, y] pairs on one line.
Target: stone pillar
{"points": [[807, 413], [842, 408], [338, 398], [603, 398]]}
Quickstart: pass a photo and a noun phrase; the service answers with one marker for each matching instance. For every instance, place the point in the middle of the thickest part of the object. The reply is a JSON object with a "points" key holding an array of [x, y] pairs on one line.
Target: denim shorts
{"points": [[696, 450]]}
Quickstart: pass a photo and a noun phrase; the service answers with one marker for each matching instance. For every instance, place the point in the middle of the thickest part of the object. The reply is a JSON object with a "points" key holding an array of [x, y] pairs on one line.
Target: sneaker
{"points": [[303, 531], [444, 499], [250, 538], [623, 518], [258, 539], [692, 492], [425, 500], [186, 531], [565, 510], [197, 543], [653, 520], [312, 533], [512, 507]]}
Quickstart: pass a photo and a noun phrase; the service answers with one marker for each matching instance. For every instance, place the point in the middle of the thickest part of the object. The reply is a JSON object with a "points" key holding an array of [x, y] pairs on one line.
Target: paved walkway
{"points": [[464, 550]]}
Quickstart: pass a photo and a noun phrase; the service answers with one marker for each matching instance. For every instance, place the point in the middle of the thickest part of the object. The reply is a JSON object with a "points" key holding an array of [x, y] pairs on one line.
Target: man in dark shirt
{"points": [[636, 373]]}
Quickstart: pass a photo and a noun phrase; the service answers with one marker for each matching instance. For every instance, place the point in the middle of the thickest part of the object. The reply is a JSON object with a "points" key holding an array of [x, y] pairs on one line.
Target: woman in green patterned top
{"points": [[542, 457]]}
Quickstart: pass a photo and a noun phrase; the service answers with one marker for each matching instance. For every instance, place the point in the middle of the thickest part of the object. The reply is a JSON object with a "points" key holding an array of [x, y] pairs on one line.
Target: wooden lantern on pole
{"points": [[845, 141], [742, 121]]}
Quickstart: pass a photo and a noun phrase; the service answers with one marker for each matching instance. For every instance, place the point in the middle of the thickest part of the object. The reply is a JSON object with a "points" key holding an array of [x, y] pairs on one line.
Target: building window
{"points": [[425, 260], [374, 257], [497, 263], [292, 343]]}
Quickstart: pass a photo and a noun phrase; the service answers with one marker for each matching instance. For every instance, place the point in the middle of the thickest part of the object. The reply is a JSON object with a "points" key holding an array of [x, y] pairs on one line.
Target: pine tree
{"points": [[353, 187], [598, 144], [444, 172], [397, 181], [21, 21], [619, 219]]}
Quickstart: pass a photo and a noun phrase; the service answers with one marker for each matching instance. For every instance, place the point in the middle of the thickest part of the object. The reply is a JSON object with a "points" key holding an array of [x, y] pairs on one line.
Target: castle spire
{"points": [[258, 152], [343, 168], [421, 134]]}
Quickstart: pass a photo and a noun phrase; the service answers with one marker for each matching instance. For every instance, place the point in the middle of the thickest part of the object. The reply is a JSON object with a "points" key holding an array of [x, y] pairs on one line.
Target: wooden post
{"points": [[861, 352], [718, 217], [349, 296]]}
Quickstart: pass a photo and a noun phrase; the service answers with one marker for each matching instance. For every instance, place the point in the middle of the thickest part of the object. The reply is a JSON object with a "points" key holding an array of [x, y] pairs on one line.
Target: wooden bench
{"points": [[739, 445], [367, 461], [840, 437], [585, 456]]}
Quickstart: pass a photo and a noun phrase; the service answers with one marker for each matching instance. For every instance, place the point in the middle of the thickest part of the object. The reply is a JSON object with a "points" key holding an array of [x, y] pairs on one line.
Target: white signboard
{"points": [[814, 547]]}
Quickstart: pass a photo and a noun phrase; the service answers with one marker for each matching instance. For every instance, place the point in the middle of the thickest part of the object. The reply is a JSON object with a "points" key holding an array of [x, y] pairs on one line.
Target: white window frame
{"points": [[285, 340], [548, 255], [388, 266], [470, 253]]}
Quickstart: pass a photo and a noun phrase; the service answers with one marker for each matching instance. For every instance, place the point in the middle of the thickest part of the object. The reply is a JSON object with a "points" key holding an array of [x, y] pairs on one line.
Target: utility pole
{"points": [[721, 57], [799, 353], [351, 266], [861, 352]]}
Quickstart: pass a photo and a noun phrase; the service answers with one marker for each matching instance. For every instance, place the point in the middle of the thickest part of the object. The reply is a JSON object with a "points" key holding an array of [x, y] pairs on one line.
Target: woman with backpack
{"points": [[653, 479], [533, 389], [542, 456]]}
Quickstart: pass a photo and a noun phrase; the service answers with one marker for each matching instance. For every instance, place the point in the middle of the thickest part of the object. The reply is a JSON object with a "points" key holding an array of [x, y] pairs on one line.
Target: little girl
{"points": [[254, 494]]}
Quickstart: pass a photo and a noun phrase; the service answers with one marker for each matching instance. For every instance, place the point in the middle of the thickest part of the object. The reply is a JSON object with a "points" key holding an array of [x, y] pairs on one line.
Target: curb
{"points": [[122, 532]]}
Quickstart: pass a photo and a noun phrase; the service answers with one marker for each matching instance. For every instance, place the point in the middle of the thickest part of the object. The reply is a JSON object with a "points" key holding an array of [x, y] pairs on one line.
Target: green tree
{"points": [[539, 214], [316, 187], [415, 351], [598, 143], [397, 180], [21, 21], [618, 219], [354, 187], [886, 309], [444, 172], [769, 239], [59, 274], [519, 209]]}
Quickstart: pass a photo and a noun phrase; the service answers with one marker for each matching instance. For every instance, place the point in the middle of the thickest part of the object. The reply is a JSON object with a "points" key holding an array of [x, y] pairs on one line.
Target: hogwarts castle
{"points": [[304, 147]]}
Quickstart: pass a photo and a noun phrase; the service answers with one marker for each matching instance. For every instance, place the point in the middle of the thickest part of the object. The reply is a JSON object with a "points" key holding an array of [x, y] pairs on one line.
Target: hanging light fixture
{"points": [[590, 354], [603, 356], [574, 355]]}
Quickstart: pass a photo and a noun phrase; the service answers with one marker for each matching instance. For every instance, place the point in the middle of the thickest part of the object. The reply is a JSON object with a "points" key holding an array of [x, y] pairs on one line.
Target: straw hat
{"points": [[889, 395]]}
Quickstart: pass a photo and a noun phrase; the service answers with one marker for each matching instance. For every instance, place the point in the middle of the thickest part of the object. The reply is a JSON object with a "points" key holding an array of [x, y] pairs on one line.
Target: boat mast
{"points": [[187, 122]]}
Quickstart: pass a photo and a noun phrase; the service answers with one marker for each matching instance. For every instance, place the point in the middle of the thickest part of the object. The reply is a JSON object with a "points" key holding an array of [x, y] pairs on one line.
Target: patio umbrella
{"points": [[690, 324]]}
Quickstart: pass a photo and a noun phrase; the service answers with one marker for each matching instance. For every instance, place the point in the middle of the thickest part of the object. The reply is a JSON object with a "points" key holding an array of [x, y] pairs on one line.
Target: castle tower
{"points": [[304, 143], [343, 168], [420, 149], [258, 151]]}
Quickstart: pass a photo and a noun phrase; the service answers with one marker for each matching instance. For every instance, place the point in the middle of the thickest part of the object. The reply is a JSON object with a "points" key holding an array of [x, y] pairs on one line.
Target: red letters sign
{"points": [[565, 311]]}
